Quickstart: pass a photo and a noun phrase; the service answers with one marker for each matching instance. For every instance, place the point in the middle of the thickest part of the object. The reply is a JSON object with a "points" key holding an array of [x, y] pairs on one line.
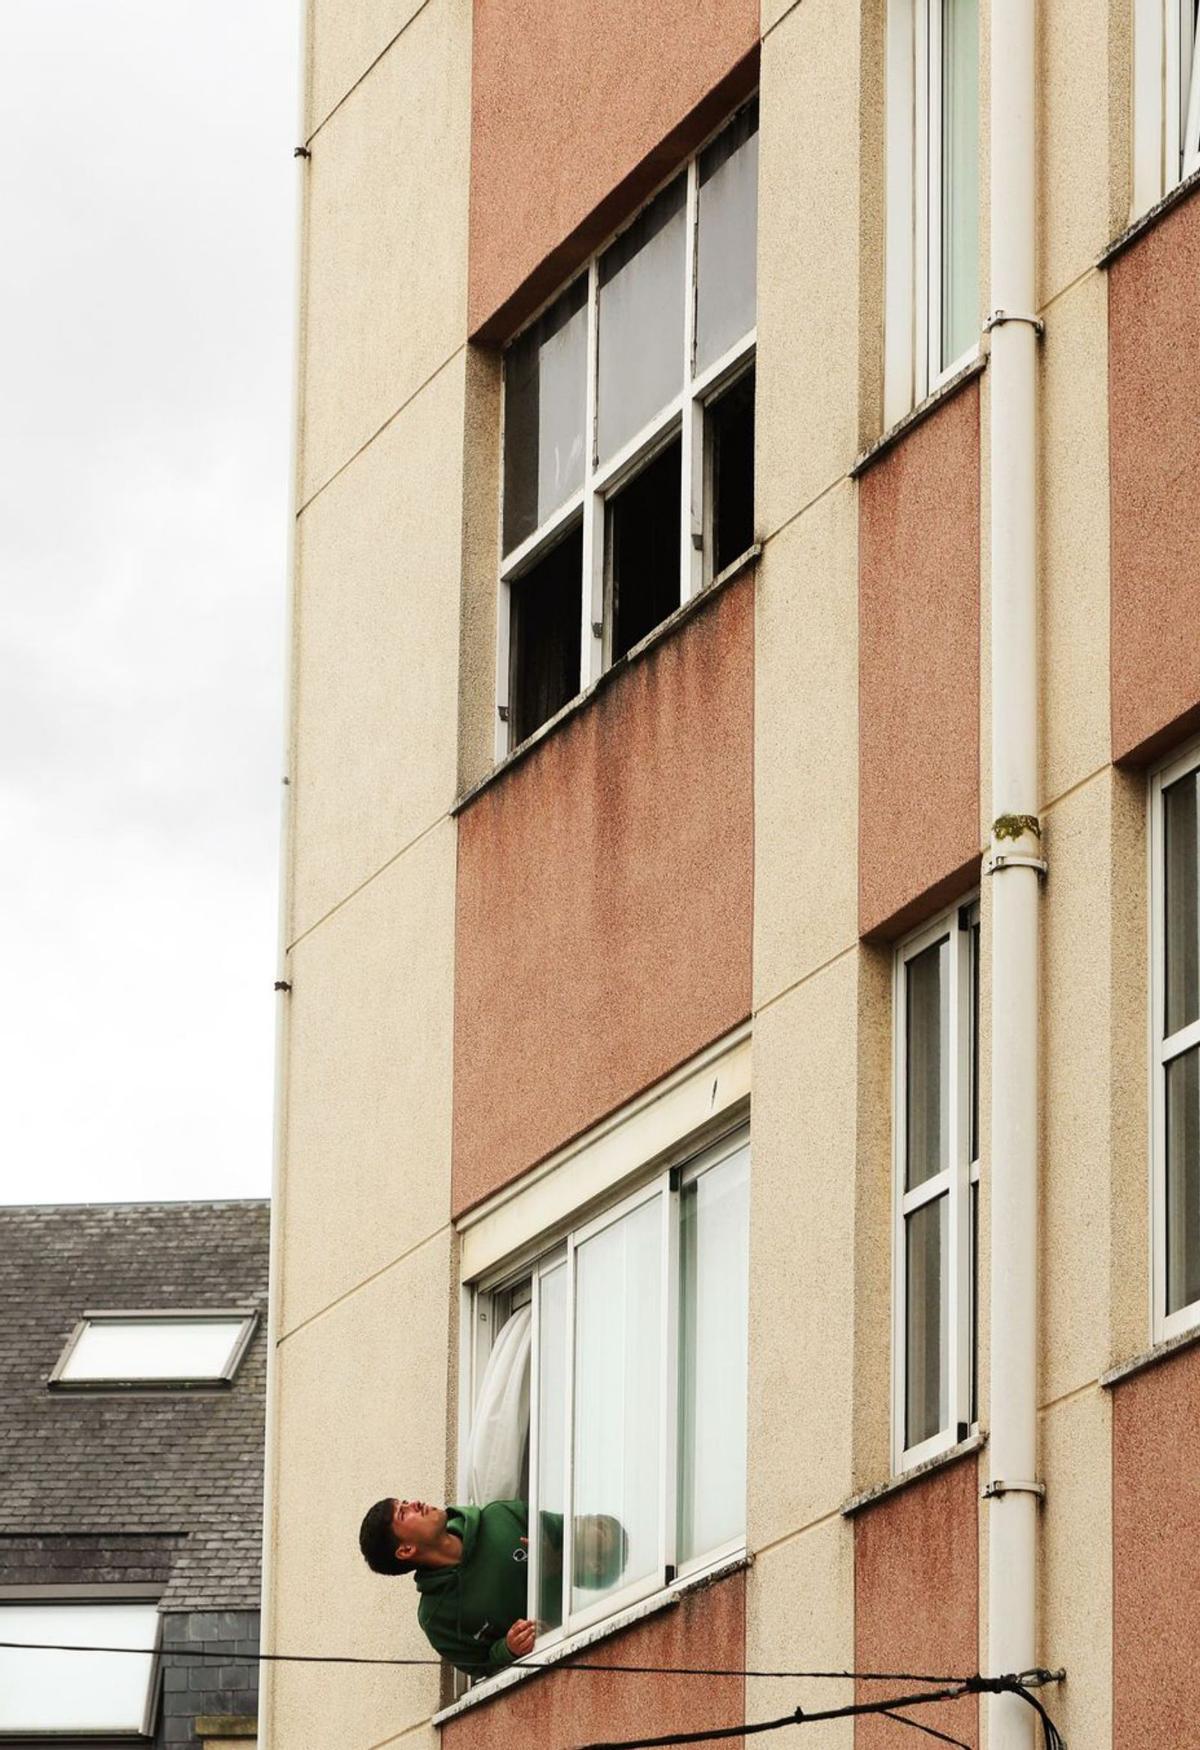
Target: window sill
{"points": [[874, 452], [1173, 198], [880, 1492], [1150, 1357], [667, 1599], [743, 563]]}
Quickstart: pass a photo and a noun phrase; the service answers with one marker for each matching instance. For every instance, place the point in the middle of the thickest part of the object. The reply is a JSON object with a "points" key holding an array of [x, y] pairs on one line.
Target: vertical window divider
{"points": [[568, 1542], [935, 188], [591, 655], [959, 1406], [533, 1567], [670, 1385], [925, 202], [691, 425], [1155, 1056]]}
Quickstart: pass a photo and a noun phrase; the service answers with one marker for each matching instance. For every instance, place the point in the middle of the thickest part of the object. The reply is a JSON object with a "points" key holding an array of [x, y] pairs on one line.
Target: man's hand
{"points": [[520, 1637]]}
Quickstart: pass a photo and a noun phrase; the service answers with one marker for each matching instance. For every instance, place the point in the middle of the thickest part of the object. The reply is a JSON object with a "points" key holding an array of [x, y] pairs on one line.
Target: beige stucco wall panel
{"points": [[800, 1612], [346, 38], [800, 1417], [806, 745], [1074, 130], [1073, 457], [1077, 997], [807, 258], [1129, 1312], [1076, 1566], [346, 1386], [387, 240], [377, 639], [370, 1080]]}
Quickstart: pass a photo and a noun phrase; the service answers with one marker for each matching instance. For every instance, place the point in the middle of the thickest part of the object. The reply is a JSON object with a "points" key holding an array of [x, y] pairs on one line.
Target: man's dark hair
{"points": [[377, 1540]]}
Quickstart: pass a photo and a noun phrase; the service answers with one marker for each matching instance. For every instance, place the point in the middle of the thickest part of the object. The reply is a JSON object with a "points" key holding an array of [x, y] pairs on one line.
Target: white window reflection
{"points": [[152, 1349], [49, 1691]]}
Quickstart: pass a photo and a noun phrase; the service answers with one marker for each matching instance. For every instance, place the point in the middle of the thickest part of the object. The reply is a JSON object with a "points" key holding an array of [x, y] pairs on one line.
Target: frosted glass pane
{"points": [[75, 1692], [618, 1402], [727, 244], [551, 1442], [960, 178], [714, 1275], [927, 1346], [1183, 1180], [1181, 905], [641, 320], [927, 1063], [163, 1349], [545, 383]]}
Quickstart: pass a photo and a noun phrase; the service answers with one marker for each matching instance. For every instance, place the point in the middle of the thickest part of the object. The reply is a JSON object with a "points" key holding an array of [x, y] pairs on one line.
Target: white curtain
{"points": [[500, 1430]]}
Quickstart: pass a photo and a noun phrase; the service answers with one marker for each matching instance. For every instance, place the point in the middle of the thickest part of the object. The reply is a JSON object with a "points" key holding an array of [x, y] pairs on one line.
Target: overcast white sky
{"points": [[146, 263]]}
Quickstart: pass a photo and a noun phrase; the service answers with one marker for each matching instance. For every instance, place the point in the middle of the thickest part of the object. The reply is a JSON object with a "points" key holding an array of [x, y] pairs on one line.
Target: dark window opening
{"points": [[643, 534], [545, 636], [731, 458]]}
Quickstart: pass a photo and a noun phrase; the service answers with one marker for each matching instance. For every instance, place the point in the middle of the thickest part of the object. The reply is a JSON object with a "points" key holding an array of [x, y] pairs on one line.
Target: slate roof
{"points": [[156, 1486]]}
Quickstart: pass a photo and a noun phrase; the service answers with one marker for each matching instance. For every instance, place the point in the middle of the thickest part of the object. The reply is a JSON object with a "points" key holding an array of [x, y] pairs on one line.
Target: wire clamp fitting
{"points": [[997, 1487], [997, 860], [998, 318]]}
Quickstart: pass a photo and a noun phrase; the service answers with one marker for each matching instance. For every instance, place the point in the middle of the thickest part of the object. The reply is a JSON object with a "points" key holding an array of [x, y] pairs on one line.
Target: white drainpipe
{"points": [[1014, 865]]}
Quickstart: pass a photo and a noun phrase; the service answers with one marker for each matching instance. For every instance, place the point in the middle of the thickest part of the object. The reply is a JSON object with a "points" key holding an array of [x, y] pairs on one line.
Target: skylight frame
{"points": [[246, 1316]]}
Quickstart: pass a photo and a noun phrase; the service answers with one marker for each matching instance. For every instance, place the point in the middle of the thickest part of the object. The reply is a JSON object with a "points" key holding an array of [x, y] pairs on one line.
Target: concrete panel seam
{"points": [[1073, 789], [775, 23], [795, 516], [1087, 1389], [805, 978], [367, 71], [390, 420], [833, 1516], [1088, 273], [367, 879], [366, 1282]]}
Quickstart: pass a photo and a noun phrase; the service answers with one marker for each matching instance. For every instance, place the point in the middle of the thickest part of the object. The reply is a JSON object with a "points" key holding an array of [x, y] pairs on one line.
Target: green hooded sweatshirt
{"points": [[467, 1610]]}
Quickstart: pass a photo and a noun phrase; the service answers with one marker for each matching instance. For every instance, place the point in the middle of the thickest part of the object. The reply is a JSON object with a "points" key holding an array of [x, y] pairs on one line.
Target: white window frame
{"points": [[1166, 99], [1163, 1049], [913, 368], [955, 1182], [246, 1318], [92, 1598], [683, 415], [665, 1182]]}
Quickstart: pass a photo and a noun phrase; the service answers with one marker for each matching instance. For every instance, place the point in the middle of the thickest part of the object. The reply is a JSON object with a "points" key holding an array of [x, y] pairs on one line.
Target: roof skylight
{"points": [[154, 1348]]}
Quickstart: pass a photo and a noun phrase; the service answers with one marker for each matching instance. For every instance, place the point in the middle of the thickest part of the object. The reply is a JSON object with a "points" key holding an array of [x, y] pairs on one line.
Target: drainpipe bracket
{"points": [[997, 860], [998, 318], [997, 1487]]}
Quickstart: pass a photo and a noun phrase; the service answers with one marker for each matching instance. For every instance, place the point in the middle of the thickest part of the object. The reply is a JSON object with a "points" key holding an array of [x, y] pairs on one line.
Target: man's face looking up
{"points": [[416, 1526]]}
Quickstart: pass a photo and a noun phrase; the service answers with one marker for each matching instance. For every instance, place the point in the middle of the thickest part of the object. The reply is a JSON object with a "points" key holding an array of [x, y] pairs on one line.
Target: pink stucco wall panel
{"points": [[578, 109], [604, 900], [918, 810], [1156, 1555], [916, 1598], [1154, 392]]}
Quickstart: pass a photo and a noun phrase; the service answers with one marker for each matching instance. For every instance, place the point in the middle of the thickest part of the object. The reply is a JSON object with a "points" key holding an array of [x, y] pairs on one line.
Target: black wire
{"points": [[929, 1731]]}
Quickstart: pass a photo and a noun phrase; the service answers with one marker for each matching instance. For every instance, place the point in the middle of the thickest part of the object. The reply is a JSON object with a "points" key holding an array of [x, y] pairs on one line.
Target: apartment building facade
{"points": [[741, 915]]}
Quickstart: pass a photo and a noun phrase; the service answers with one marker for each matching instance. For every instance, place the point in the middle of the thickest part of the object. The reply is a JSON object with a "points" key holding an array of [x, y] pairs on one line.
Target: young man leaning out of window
{"points": [[470, 1565]]}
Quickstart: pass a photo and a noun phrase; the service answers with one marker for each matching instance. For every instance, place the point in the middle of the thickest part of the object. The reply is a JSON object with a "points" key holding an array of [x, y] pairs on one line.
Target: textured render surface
{"points": [[1075, 139], [1075, 1607], [1153, 345], [569, 102], [1077, 1209], [800, 1615], [806, 745], [916, 1590], [604, 901], [1156, 1555], [807, 319], [345, 39], [800, 1411], [370, 1080], [348, 1382], [918, 800], [481, 520], [707, 1629], [385, 275], [376, 641], [1128, 1309], [1073, 535]]}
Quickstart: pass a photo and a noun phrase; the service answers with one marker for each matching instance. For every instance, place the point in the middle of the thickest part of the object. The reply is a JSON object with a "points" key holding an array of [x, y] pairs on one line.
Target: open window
{"points": [[635, 1328], [932, 316], [114, 1350], [1166, 97], [936, 1148], [629, 436], [48, 1693]]}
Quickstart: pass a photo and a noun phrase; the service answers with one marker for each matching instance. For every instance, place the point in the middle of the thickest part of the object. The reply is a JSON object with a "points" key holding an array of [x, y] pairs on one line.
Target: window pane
{"points": [[618, 1403], [545, 383], [641, 320], [643, 532], [731, 449], [728, 238], [960, 177], [927, 1067], [552, 1442], [975, 1040], [1180, 903], [167, 1349], [927, 1346], [545, 628], [713, 1292], [1183, 1180], [75, 1692]]}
